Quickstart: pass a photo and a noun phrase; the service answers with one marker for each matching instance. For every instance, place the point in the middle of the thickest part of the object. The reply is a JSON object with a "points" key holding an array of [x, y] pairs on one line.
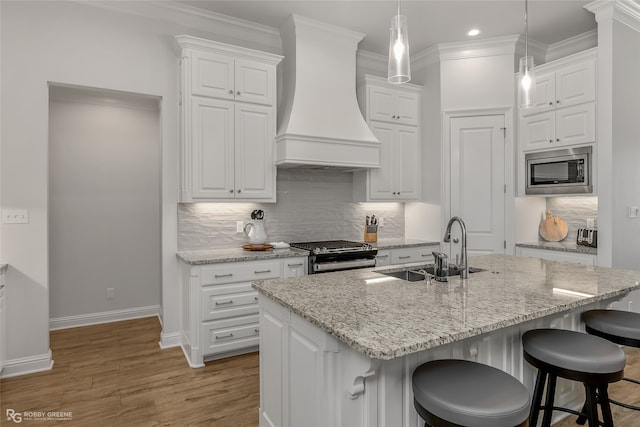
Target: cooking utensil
{"points": [[553, 228]]}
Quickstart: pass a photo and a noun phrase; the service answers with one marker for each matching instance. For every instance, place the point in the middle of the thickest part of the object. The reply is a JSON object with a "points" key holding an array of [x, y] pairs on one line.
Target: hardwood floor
{"points": [[116, 375]]}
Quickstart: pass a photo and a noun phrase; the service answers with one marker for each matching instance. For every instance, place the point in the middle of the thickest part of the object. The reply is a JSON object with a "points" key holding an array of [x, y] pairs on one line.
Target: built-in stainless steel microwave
{"points": [[566, 171]]}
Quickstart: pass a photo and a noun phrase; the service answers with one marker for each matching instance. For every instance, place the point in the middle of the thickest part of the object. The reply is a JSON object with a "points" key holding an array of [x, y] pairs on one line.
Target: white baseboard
{"points": [[170, 340], [27, 365], [103, 317]]}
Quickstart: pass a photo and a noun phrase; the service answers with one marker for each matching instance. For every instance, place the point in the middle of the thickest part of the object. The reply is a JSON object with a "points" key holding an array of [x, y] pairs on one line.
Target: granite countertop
{"points": [[560, 246], [402, 243], [215, 256], [385, 318]]}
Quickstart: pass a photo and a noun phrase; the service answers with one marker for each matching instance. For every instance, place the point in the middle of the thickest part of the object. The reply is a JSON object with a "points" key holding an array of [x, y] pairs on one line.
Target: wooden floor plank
{"points": [[116, 375]]}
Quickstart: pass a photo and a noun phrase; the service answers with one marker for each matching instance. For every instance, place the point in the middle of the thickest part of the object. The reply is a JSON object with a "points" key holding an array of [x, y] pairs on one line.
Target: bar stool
{"points": [[620, 327], [591, 360], [456, 393]]}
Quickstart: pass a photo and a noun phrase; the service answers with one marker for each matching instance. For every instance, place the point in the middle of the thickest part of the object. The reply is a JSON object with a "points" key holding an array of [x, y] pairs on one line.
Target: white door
{"points": [[477, 183]]}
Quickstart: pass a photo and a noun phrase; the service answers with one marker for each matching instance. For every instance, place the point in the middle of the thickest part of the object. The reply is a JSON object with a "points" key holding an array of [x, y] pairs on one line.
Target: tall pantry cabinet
{"points": [[228, 119]]}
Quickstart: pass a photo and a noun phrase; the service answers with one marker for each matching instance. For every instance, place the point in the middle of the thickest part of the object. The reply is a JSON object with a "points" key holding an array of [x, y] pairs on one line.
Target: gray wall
{"points": [[311, 205], [104, 201]]}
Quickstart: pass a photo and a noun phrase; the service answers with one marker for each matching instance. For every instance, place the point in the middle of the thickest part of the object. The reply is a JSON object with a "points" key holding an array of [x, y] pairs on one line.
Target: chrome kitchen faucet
{"points": [[464, 265]]}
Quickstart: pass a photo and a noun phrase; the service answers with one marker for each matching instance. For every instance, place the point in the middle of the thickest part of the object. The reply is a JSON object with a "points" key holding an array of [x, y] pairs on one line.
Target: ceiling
{"points": [[430, 22]]}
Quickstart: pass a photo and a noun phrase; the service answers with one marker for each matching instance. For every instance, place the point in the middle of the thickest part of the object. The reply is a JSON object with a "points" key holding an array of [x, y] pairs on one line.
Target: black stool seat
{"points": [[465, 393], [620, 327], [591, 360]]}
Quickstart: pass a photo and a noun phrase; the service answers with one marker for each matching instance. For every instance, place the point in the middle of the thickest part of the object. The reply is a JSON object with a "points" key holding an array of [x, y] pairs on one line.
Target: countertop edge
{"points": [[220, 256], [549, 246], [3, 267]]}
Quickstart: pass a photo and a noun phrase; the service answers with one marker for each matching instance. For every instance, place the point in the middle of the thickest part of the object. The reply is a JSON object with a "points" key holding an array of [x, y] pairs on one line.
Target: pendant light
{"points": [[399, 70], [527, 84]]}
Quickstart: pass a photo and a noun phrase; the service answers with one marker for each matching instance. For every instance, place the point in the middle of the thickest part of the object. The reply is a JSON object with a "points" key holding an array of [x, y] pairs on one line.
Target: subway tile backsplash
{"points": [[575, 211], [311, 205]]}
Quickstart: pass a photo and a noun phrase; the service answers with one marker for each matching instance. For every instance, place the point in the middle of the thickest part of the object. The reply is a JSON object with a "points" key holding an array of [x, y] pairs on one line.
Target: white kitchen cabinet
{"points": [[563, 83], [406, 255], [387, 104], [552, 255], [222, 76], [228, 118], [564, 104], [3, 319], [399, 175], [231, 150], [566, 126], [220, 308]]}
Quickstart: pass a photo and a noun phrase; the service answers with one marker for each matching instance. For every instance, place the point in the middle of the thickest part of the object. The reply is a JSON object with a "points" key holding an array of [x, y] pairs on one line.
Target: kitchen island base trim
{"points": [[308, 377]]}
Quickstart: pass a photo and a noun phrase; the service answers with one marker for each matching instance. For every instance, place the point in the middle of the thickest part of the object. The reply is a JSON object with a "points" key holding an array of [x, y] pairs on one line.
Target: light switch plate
{"points": [[15, 216], [634, 212], [239, 226]]}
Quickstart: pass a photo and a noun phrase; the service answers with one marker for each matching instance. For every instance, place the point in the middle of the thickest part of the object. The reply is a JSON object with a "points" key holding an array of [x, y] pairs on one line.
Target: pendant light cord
{"points": [[526, 27]]}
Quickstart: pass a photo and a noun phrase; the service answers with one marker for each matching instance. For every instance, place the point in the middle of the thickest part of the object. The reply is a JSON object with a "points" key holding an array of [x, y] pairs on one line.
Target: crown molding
{"points": [[624, 11], [507, 45], [227, 28], [572, 45]]}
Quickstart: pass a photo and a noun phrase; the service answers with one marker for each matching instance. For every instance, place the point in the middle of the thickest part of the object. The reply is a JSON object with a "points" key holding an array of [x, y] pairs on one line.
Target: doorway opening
{"points": [[104, 206]]}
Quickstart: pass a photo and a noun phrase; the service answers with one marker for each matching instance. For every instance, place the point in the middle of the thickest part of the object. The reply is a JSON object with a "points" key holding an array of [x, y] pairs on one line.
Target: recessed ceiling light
{"points": [[473, 32]]}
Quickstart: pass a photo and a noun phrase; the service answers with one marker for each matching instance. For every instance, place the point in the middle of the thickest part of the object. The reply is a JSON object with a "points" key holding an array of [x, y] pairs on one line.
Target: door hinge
{"points": [[505, 244], [504, 132], [505, 189]]}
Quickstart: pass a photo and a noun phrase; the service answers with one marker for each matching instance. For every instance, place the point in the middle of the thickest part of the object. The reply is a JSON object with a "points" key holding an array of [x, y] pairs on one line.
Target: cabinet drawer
{"points": [[405, 255], [230, 335], [241, 272], [221, 306]]}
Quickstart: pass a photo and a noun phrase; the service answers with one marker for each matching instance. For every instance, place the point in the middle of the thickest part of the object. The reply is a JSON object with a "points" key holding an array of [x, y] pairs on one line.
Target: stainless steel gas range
{"points": [[336, 255]]}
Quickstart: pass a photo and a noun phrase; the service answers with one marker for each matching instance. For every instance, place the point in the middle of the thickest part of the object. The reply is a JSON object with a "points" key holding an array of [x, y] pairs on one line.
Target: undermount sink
{"points": [[415, 275]]}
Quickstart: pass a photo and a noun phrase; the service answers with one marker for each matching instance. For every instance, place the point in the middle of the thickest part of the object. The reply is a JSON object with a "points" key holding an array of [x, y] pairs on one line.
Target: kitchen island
{"points": [[338, 349]]}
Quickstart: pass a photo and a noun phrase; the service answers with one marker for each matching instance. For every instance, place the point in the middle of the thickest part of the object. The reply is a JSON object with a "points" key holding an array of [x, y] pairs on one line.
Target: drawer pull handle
{"points": [[404, 257], [221, 337], [262, 271], [425, 255], [225, 303], [218, 276], [383, 256], [255, 298], [256, 330], [295, 265]]}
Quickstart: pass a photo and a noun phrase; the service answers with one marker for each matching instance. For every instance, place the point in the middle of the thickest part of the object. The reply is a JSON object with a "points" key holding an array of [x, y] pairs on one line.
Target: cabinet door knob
{"points": [[558, 139], [230, 91], [238, 93], [231, 191], [558, 102], [239, 191], [551, 103], [551, 140]]}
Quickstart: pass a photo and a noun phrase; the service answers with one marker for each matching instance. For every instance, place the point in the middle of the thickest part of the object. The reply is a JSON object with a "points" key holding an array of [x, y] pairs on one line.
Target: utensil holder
{"points": [[371, 233]]}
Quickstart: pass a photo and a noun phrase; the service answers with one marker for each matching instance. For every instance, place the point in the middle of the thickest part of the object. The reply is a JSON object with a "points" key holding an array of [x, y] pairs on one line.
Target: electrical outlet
{"points": [[239, 226], [110, 293], [591, 223], [634, 212], [15, 216], [380, 222]]}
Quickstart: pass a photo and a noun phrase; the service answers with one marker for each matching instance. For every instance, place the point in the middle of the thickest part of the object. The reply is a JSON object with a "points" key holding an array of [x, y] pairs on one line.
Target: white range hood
{"points": [[319, 122]]}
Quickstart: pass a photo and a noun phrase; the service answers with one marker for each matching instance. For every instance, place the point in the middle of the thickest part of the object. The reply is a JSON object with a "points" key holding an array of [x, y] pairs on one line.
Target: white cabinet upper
{"points": [[564, 104], [387, 104], [228, 122], [393, 116]]}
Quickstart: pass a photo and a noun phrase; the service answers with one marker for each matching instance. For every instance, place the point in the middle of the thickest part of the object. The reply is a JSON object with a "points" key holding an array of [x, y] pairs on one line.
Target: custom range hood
{"points": [[319, 122]]}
